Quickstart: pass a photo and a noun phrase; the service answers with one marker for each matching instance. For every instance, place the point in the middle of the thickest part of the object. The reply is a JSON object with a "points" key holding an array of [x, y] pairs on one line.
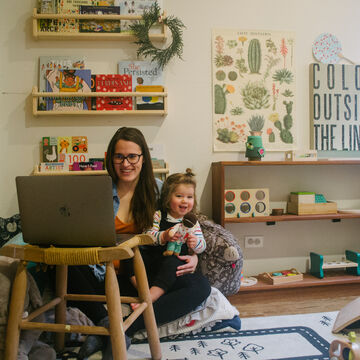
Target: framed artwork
{"points": [[253, 84], [334, 104]]}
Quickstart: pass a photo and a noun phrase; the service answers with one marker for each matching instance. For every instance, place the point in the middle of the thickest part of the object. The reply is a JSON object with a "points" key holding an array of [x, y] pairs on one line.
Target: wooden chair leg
{"points": [[60, 309], [144, 294], [16, 309], [113, 301]]}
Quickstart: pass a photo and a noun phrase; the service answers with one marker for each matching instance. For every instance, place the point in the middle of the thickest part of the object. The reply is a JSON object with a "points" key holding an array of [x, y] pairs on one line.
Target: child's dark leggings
{"points": [[187, 292]]}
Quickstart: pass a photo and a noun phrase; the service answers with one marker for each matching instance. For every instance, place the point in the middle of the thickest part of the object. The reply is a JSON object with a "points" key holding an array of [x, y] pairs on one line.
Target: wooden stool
{"points": [[61, 258]]}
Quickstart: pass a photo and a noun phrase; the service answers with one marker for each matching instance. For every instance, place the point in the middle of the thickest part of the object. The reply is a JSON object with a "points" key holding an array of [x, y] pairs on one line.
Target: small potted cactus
{"points": [[256, 123], [254, 147]]}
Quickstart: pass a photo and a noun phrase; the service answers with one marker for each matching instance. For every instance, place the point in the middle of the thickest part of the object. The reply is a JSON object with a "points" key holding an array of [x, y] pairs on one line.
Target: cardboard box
{"points": [[308, 209]]}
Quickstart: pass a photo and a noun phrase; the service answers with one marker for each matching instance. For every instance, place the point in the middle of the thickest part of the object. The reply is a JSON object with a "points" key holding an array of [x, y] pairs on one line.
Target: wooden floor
{"points": [[294, 301]]}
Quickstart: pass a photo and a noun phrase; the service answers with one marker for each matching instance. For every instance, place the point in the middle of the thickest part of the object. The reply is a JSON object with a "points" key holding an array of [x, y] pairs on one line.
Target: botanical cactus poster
{"points": [[253, 75]]}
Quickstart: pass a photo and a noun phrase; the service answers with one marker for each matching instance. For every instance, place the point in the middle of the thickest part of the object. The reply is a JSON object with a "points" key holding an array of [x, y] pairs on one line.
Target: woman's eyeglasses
{"points": [[131, 158]]}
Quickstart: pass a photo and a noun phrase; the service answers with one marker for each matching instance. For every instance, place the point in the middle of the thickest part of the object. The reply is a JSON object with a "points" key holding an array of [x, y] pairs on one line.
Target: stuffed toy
{"points": [[185, 228], [222, 260]]}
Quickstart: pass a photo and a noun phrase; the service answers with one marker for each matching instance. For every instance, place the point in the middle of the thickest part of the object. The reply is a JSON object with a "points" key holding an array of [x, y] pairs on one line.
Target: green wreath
{"points": [[146, 48]]}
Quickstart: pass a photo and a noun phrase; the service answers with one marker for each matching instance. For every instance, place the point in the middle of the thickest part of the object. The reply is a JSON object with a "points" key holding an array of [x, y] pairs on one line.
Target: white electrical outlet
{"points": [[254, 241]]}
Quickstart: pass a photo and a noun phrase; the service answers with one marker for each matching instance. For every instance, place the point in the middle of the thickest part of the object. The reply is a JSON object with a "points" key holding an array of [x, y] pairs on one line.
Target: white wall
{"points": [[187, 131]]}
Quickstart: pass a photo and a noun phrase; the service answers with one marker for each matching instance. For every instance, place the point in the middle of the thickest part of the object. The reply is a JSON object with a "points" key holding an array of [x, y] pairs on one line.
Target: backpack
{"points": [[222, 261]]}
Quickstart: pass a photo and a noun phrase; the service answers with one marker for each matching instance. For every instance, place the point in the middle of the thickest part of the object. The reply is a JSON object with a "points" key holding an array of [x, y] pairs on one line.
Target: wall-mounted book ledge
{"points": [[36, 171], [57, 35], [36, 95]]}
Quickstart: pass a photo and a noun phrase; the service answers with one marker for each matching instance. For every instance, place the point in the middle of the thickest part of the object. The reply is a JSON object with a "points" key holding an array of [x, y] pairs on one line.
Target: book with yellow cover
{"points": [[149, 102]]}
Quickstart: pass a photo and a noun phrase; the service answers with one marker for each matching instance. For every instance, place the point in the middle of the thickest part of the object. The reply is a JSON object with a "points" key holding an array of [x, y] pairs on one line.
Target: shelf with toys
{"points": [[308, 281], [125, 36], [36, 95], [252, 174]]}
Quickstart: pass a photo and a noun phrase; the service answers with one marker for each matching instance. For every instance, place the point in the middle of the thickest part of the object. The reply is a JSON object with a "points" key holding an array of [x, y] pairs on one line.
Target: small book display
{"points": [[67, 153], [67, 86]]}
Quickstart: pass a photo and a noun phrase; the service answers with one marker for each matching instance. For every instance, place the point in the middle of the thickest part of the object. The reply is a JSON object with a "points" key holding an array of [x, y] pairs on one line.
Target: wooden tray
{"points": [[281, 279], [308, 209]]}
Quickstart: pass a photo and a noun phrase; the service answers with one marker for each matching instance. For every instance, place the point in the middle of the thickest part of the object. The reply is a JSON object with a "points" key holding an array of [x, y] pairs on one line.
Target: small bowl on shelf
{"points": [[277, 212]]}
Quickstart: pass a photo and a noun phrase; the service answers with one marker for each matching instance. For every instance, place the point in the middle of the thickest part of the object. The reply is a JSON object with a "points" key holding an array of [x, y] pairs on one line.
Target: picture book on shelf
{"points": [[142, 72], [68, 81], [53, 166], [135, 7], [56, 62], [64, 146], [106, 3], [98, 26], [48, 7], [149, 102], [87, 166], [93, 89], [63, 149], [49, 149], [113, 83], [71, 7]]}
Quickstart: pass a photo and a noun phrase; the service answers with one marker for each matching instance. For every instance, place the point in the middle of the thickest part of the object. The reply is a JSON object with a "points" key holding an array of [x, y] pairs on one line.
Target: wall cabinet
{"points": [[278, 173], [336, 179]]}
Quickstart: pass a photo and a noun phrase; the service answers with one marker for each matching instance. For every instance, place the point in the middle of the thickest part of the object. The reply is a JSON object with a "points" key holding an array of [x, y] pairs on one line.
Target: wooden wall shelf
{"points": [[272, 219], [36, 172], [218, 190], [36, 95], [335, 278], [47, 35]]}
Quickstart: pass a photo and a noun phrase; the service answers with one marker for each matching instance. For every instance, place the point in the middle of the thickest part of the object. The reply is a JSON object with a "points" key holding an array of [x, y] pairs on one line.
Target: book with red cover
{"points": [[114, 83]]}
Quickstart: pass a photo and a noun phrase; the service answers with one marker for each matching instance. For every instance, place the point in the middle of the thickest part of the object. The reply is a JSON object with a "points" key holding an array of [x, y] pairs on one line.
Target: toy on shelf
{"points": [[306, 203], [345, 350], [351, 264], [281, 276], [309, 155], [246, 203]]}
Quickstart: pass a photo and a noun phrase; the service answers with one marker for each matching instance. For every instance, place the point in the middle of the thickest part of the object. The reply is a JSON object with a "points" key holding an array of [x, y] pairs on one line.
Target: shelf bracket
{"points": [[336, 220], [269, 223]]}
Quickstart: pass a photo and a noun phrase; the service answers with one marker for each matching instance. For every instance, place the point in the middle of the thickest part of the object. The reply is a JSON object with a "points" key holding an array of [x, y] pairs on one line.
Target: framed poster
{"points": [[253, 84], [334, 107]]}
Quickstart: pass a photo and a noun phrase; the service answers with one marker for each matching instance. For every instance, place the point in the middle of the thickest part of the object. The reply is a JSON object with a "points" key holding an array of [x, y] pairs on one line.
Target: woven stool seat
{"points": [[62, 258]]}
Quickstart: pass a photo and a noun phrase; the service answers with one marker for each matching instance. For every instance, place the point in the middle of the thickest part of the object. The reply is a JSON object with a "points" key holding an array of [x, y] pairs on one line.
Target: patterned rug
{"points": [[294, 337]]}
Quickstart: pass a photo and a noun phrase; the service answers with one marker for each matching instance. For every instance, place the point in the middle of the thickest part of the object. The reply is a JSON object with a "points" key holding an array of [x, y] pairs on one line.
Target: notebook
{"points": [[66, 210]]}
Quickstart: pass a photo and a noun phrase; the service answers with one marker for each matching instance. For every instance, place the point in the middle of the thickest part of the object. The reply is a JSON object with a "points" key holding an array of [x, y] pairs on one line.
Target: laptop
{"points": [[67, 210]]}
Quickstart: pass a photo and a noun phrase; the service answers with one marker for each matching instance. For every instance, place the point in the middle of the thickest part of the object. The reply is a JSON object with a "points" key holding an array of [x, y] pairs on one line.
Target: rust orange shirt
{"points": [[123, 228]]}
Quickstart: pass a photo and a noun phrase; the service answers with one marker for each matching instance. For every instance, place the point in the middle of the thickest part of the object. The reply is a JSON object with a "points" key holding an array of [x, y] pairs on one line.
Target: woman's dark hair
{"points": [[144, 202], [170, 185]]}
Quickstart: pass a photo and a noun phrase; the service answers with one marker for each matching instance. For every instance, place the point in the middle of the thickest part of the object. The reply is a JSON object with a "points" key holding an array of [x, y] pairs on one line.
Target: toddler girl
{"points": [[176, 200]]}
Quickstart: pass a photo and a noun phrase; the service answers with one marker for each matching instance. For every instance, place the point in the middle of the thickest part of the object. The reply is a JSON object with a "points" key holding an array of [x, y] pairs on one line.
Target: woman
{"points": [[135, 193]]}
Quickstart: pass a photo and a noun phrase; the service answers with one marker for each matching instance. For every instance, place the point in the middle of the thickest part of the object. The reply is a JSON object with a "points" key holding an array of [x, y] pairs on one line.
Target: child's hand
{"points": [[191, 241], [170, 235]]}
